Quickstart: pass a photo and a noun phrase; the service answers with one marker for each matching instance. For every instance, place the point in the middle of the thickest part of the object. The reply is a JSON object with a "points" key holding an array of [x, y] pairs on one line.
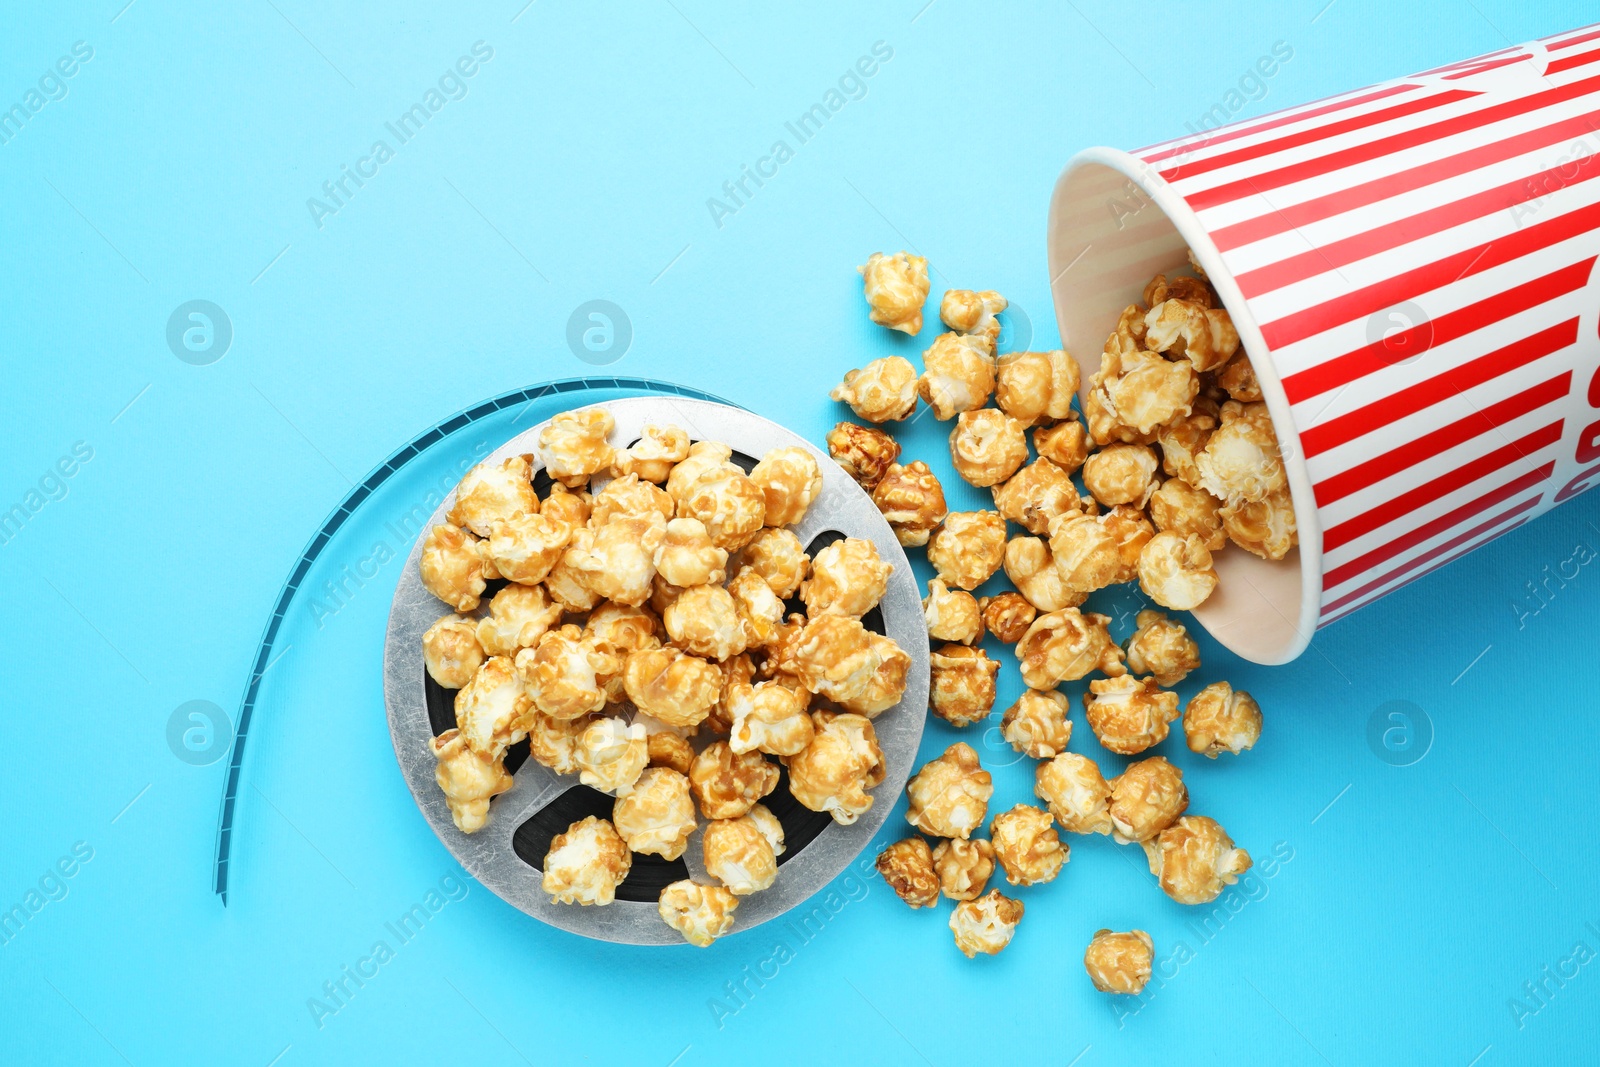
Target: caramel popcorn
{"points": [[968, 547], [1263, 527], [1150, 391], [657, 816], [1241, 461], [652, 456], [912, 500], [973, 313], [621, 630], [1006, 615], [563, 673], [728, 783], [736, 671], [951, 614], [1077, 793], [1180, 508], [1176, 572], [908, 868], [1162, 648], [1119, 963], [703, 457], [672, 751], [525, 548], [896, 287], [570, 507], [847, 578], [662, 594], [672, 686], [629, 497], [452, 566], [1146, 798], [450, 651], [1065, 645], [586, 863], [1130, 531], [760, 610], [740, 855], [574, 445], [963, 867], [619, 562], [866, 454], [887, 684], [1219, 719], [1194, 859], [1204, 336], [834, 772], [468, 779], [1032, 569], [885, 390], [701, 913], [768, 718], [566, 581], [1065, 444], [518, 616], [490, 707], [1238, 378], [1036, 494], [1027, 845], [1182, 440], [790, 479], [779, 558], [554, 742], [987, 446], [1037, 724], [610, 755], [704, 620], [1087, 554], [1129, 714], [961, 688], [494, 491], [949, 796], [732, 506], [985, 924], [1121, 474], [958, 375], [834, 657], [1033, 387]]}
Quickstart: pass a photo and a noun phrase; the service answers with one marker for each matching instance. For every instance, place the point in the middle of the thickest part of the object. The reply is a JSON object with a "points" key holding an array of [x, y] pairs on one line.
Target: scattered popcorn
{"points": [[987, 446], [1150, 391], [468, 779], [1087, 553], [586, 863], [1032, 569], [1146, 798], [1121, 474], [1037, 724], [949, 796], [574, 445], [848, 578], [887, 684], [866, 454], [554, 742], [518, 616], [524, 548], [985, 924], [629, 497], [790, 479], [1065, 645], [453, 569], [834, 772], [1078, 795], [1264, 527], [1036, 494], [731, 505], [1065, 444], [1006, 615], [968, 547], [896, 287], [739, 855], [726, 783], [951, 614], [1219, 719], [1194, 859], [1176, 572], [973, 313], [672, 686], [491, 492], [834, 657], [768, 718], [1027, 845], [911, 499], [563, 673], [779, 558], [1119, 963], [885, 390], [1129, 714], [701, 913], [1033, 387], [490, 707], [958, 375], [611, 754], [1178, 507], [908, 868], [653, 455], [1241, 461], [704, 620], [1162, 648], [450, 651], [961, 688], [657, 816], [963, 867]]}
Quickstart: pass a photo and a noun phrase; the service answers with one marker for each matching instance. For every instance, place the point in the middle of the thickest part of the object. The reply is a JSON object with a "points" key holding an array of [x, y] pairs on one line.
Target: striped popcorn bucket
{"points": [[1411, 268]]}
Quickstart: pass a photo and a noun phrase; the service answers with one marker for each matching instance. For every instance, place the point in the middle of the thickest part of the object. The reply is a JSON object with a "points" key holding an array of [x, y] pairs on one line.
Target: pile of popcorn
{"points": [[1178, 457], [641, 643]]}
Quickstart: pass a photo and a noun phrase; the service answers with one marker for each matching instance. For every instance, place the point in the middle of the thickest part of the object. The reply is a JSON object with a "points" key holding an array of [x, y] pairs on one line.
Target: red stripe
{"points": [[1319, 438], [1570, 41], [1370, 192], [1454, 542], [1312, 136], [1383, 353], [1442, 486], [1492, 65], [1284, 118], [1411, 284], [1359, 566], [1582, 59], [1338, 486], [1384, 146]]}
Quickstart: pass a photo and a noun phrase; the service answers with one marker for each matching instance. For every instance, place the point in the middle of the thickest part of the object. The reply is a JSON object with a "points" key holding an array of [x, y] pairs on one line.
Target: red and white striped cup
{"points": [[1412, 270]]}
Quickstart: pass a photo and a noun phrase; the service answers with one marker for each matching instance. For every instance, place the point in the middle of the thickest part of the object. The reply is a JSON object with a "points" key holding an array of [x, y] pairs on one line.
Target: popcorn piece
{"points": [[896, 287], [1007, 615], [619, 563], [962, 685], [563, 673], [652, 456], [951, 614], [790, 479], [1130, 530], [1146, 798], [611, 754], [1238, 377], [963, 867], [669, 685], [912, 500], [526, 547], [574, 445], [1194, 859], [1036, 494], [732, 506], [1205, 336], [629, 497], [968, 548], [908, 868], [1065, 645], [1162, 648], [491, 492], [1119, 963], [986, 924], [1087, 553], [489, 708], [662, 594], [554, 742], [566, 583], [701, 913], [1077, 793], [949, 796], [671, 751], [1027, 845], [987, 446], [1150, 391], [768, 718], [1264, 527], [1032, 387], [451, 652], [739, 855], [570, 507], [704, 620], [888, 682], [885, 390], [760, 610], [1241, 460], [1176, 572], [726, 783], [518, 616], [958, 375], [1219, 719], [779, 558], [1121, 474], [1032, 569], [834, 772], [1184, 439], [703, 457], [1037, 724], [657, 816], [1178, 287], [1065, 444], [620, 629], [847, 578], [973, 313], [452, 566], [833, 656], [865, 453], [586, 863], [468, 779], [1180, 508], [1129, 714], [737, 670]]}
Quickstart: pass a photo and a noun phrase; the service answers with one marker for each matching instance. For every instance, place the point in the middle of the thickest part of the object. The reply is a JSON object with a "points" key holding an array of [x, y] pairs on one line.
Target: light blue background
{"points": [[1418, 899]]}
